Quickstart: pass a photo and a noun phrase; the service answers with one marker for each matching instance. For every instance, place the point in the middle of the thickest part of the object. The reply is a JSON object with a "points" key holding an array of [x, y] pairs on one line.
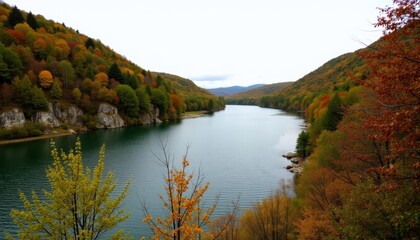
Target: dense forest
{"points": [[43, 62], [361, 179]]}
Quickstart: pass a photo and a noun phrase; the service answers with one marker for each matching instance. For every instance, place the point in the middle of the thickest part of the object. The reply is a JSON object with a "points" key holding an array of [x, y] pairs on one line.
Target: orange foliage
{"points": [[176, 101], [102, 78], [186, 218], [45, 79]]}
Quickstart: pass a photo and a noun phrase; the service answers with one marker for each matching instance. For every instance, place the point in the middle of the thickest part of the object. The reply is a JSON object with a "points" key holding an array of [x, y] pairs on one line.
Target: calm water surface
{"points": [[238, 150]]}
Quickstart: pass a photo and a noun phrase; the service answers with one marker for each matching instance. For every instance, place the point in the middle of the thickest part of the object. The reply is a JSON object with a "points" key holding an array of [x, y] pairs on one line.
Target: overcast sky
{"points": [[219, 43]]}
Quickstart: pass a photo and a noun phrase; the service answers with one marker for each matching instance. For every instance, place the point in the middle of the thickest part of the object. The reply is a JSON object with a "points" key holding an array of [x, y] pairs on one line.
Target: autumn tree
{"points": [[103, 78], [271, 219], [80, 205], [77, 95], [32, 22], [15, 17], [45, 78], [184, 195], [394, 78]]}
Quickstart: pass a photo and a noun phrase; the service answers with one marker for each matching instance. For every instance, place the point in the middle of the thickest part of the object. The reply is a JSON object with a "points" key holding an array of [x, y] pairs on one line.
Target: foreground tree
{"points": [[79, 205], [186, 217], [394, 79], [271, 219]]}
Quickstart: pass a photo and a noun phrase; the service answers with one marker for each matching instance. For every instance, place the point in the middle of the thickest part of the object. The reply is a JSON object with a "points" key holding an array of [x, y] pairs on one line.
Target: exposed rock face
{"points": [[108, 117], [46, 118], [149, 118], [13, 118], [70, 115], [290, 155]]}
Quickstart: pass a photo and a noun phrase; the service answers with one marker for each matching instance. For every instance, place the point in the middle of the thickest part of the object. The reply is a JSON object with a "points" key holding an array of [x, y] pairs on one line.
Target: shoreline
{"points": [[30, 139], [195, 114], [186, 115]]}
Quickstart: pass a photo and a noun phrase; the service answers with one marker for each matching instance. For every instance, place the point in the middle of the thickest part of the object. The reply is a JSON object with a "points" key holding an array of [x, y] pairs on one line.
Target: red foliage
{"points": [[395, 74], [18, 37]]}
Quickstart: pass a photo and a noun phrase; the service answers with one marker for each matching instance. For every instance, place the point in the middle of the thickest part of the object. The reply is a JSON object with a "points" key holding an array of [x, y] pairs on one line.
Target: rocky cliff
{"points": [[12, 118], [57, 115], [108, 117]]}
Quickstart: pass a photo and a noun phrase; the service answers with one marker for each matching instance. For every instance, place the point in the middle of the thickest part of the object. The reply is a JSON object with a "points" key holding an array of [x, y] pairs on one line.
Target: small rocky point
{"points": [[297, 162]]}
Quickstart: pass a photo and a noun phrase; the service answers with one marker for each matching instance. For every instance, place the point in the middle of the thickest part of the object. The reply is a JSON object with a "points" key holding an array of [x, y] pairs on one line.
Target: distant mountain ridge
{"points": [[252, 96], [229, 91]]}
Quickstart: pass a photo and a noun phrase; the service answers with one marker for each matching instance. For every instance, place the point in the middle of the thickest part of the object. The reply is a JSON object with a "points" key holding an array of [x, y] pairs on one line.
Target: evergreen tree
{"points": [[30, 19], [302, 144], [39, 101], [22, 89], [114, 72], [334, 113], [56, 91], [90, 43], [15, 17]]}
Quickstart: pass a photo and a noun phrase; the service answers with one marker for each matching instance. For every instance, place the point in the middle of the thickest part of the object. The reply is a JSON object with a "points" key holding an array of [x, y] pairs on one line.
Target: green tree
{"points": [[22, 89], [144, 100], [56, 91], [66, 73], [114, 72], [79, 204], [210, 105], [10, 64], [15, 17], [160, 99], [302, 144], [334, 113], [39, 101], [90, 43], [30, 19], [129, 102]]}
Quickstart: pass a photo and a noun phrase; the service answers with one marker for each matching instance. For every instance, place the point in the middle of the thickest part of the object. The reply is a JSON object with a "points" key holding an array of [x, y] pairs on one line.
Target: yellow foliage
{"points": [[79, 204]]}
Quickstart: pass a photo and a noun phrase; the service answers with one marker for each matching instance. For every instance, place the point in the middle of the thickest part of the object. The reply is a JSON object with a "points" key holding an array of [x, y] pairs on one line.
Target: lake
{"points": [[238, 150]]}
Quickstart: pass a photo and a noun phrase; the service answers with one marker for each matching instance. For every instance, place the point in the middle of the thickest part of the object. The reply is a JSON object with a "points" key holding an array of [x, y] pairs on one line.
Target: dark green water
{"points": [[239, 151]]}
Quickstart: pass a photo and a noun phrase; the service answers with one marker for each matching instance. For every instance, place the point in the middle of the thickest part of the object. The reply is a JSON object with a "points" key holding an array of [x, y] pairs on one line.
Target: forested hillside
{"points": [[43, 62], [338, 74], [229, 91], [361, 179], [253, 96]]}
